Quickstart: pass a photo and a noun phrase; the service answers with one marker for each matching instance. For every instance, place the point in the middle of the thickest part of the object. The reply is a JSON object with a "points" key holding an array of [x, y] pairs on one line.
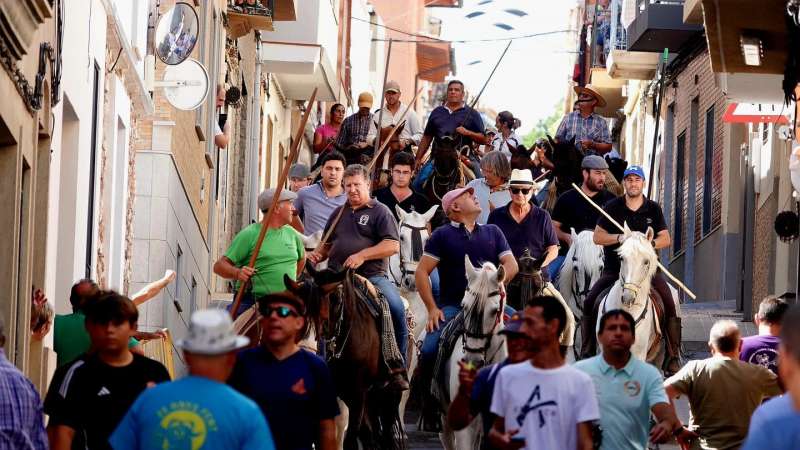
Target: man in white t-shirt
{"points": [[543, 403]]}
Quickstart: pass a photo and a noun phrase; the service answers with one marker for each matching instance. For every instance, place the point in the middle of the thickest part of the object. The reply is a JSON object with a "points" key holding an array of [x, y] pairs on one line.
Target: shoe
{"points": [[588, 344], [673, 364]]}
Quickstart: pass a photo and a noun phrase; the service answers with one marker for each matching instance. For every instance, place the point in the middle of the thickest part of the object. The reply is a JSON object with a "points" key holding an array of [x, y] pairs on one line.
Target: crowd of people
{"points": [[276, 394]]}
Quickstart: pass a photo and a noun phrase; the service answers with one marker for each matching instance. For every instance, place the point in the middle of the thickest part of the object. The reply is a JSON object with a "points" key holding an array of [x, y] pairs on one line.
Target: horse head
{"points": [[586, 259], [638, 264], [445, 154], [566, 158], [413, 231], [521, 157], [483, 306]]}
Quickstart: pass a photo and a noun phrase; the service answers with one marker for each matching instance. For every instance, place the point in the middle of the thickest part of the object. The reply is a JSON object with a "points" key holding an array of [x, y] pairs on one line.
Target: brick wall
{"points": [[696, 80]]}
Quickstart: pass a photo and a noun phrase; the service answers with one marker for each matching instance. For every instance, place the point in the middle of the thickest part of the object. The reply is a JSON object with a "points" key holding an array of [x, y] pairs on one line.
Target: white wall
{"points": [[360, 50]]}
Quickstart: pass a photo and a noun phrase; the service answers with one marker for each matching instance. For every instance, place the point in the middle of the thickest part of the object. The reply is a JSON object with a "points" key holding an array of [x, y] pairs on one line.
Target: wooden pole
{"points": [[383, 98], [275, 198], [371, 165], [611, 219]]}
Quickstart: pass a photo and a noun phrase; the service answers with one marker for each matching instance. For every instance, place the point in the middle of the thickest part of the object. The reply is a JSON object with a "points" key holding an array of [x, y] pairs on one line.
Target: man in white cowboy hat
{"points": [[589, 130], [525, 226], [199, 408]]}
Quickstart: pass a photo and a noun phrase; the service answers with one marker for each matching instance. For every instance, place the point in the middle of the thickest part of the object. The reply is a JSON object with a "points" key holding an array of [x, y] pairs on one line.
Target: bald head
{"points": [[724, 337]]}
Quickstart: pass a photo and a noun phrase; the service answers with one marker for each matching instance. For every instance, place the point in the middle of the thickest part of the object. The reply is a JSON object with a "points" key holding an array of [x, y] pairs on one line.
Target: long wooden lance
{"points": [[371, 165], [617, 224], [295, 150], [383, 98]]}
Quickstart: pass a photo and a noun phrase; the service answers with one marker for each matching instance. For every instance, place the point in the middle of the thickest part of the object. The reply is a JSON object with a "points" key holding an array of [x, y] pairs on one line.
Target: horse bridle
{"points": [[403, 271], [486, 337], [587, 278]]}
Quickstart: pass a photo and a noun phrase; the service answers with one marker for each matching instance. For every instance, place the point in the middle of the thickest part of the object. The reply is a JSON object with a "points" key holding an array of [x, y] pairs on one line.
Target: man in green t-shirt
{"points": [[281, 253]]}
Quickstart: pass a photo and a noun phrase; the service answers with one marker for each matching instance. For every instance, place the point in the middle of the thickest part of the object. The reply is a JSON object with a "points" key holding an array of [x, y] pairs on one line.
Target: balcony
{"points": [[622, 63], [243, 19], [297, 53], [658, 24]]}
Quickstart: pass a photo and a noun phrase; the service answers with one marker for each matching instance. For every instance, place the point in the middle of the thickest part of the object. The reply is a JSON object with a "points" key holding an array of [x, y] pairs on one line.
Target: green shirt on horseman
{"points": [[280, 251]]}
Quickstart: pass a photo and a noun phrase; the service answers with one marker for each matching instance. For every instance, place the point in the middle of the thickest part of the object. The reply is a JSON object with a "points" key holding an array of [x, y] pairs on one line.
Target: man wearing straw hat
{"points": [[588, 129], [199, 407]]}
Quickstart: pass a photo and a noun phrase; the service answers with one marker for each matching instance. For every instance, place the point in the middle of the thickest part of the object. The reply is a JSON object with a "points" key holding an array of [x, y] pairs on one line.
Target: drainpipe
{"points": [[255, 134]]}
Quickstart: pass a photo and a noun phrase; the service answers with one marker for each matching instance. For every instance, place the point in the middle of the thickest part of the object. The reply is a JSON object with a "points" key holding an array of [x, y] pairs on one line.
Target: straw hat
{"points": [[591, 90]]}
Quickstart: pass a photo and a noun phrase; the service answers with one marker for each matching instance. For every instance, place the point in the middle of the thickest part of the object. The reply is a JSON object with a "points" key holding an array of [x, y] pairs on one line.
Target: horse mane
{"points": [[478, 290], [583, 248], [636, 243]]}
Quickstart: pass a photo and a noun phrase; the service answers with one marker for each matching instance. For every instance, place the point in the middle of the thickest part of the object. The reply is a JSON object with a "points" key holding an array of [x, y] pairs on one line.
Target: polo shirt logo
{"points": [[299, 388], [363, 219], [632, 388]]}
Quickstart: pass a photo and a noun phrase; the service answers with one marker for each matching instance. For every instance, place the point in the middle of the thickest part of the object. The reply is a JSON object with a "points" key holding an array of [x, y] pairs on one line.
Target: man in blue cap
{"points": [[639, 213]]}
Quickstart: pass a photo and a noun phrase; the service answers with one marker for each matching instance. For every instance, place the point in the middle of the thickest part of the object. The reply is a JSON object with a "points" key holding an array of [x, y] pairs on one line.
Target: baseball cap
{"points": [[365, 100], [513, 325], [299, 170], [634, 170], [211, 333], [392, 86], [594, 162], [265, 198], [451, 196]]}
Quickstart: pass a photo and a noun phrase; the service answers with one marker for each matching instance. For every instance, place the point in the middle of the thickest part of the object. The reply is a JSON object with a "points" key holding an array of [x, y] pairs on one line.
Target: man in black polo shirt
{"points": [[572, 211], [363, 240], [454, 117], [400, 192], [639, 213]]}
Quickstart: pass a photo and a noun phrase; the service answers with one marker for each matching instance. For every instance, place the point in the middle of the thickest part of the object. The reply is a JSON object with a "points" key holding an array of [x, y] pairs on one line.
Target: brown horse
{"points": [[340, 307], [521, 158], [382, 171], [449, 172]]}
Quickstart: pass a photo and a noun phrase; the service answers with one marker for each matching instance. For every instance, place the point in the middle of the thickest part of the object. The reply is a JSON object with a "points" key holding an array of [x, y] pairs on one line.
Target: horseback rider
{"points": [[506, 139], [588, 128], [392, 112], [639, 213], [492, 190], [315, 203], [525, 226], [400, 191], [363, 240], [446, 249], [455, 118], [352, 139], [282, 253], [571, 211]]}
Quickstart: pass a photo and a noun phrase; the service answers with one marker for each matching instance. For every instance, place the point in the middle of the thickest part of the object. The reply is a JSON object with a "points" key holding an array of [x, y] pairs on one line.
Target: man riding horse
{"points": [[363, 240], [390, 117], [352, 139], [639, 213]]}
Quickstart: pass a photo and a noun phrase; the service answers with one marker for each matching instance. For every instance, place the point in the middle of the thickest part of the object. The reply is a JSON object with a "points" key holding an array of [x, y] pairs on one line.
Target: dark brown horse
{"points": [[449, 172], [340, 307], [566, 158], [528, 282], [521, 158], [382, 170]]}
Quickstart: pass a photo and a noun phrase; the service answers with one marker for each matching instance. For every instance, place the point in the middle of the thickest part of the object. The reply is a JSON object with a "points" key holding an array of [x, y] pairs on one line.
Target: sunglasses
{"points": [[523, 191], [283, 311]]}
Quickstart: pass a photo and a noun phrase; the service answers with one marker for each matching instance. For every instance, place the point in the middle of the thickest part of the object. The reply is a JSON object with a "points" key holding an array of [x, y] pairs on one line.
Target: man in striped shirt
{"points": [[588, 129]]}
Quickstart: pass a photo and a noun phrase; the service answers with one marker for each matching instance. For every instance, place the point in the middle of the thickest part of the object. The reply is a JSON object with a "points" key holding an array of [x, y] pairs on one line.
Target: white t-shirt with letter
{"points": [[545, 405]]}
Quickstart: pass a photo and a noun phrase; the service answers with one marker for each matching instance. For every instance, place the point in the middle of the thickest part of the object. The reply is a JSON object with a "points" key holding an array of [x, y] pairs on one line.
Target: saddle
{"points": [[658, 306]]}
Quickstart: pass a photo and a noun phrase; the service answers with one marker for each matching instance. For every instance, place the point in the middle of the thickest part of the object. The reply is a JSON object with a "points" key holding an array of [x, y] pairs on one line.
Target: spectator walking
{"points": [[199, 408], [292, 386], [475, 389], [762, 349], [774, 425], [315, 203], [543, 403], [628, 389], [98, 389], [21, 414], [723, 391]]}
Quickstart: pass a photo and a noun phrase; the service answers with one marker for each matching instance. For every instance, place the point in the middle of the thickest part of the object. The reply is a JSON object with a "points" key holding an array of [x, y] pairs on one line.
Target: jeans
{"points": [[423, 174], [434, 276], [396, 309], [247, 302], [555, 267]]}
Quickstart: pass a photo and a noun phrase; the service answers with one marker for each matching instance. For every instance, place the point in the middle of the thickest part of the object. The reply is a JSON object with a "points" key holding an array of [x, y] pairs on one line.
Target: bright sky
{"points": [[533, 75]]}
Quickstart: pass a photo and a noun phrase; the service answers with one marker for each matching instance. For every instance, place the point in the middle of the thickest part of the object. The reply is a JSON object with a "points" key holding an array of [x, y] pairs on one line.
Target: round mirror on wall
{"points": [[177, 33]]}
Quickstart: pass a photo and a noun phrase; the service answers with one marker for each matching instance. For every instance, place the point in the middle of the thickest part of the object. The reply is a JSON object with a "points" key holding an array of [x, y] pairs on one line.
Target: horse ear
{"points": [[401, 213], [429, 214], [625, 229], [471, 272], [501, 274], [291, 285], [551, 140], [573, 234], [650, 233], [311, 270]]}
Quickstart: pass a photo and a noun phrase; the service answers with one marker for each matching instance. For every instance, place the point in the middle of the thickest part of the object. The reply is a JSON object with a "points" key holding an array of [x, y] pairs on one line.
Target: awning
{"points": [[445, 3], [434, 61], [299, 68]]}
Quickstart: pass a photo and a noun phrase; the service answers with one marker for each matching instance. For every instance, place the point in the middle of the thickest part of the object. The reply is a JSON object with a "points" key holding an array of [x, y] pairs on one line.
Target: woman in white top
{"points": [[492, 189], [506, 139]]}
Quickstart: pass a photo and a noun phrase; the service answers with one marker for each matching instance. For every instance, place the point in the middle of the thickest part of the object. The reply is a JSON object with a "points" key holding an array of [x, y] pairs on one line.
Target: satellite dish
{"points": [[176, 34], [185, 85]]}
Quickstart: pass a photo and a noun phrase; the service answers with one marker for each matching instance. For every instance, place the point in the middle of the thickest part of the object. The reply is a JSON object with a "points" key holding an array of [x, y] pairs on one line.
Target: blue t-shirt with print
{"points": [[450, 243], [295, 394], [193, 412], [775, 426]]}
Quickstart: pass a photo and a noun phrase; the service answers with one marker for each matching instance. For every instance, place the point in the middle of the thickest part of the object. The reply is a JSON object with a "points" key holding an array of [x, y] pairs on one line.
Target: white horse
{"points": [[632, 294], [582, 266], [413, 231], [481, 344]]}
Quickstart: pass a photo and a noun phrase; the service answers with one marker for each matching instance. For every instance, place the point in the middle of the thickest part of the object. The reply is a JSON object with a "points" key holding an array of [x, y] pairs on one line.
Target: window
{"points": [[708, 175], [92, 172], [680, 175]]}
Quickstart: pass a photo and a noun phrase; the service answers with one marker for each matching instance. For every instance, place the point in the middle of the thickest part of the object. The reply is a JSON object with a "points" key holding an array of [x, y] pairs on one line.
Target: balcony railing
{"points": [[659, 25], [244, 16]]}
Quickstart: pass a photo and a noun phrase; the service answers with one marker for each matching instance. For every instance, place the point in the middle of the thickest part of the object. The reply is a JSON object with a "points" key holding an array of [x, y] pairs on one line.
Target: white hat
{"points": [[211, 333], [521, 178]]}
